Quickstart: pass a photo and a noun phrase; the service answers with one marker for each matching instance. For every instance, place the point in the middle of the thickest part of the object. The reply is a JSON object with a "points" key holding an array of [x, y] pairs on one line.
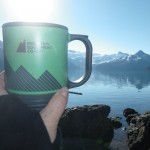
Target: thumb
{"points": [[53, 111], [2, 84]]}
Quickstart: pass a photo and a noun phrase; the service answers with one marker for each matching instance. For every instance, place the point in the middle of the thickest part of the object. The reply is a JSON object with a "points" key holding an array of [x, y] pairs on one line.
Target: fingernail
{"points": [[64, 91]]}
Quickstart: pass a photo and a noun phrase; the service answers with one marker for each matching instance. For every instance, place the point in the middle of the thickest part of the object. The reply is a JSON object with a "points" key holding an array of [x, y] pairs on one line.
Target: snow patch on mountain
{"points": [[119, 61], [99, 59]]}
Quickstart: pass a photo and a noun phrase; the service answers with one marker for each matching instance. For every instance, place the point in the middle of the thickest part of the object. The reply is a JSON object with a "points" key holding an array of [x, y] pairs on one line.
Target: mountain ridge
{"points": [[109, 62], [116, 62]]}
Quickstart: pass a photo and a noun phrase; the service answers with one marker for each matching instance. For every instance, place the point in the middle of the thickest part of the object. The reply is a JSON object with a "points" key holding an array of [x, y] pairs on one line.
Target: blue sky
{"points": [[112, 25]]}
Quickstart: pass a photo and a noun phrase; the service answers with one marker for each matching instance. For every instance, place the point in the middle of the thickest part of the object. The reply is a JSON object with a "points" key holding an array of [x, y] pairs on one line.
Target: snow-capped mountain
{"points": [[120, 61], [76, 64], [99, 59], [76, 58], [124, 62]]}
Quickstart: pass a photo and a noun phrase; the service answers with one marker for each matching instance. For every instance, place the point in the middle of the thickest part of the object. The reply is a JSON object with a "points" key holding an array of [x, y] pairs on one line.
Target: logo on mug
{"points": [[33, 47]]}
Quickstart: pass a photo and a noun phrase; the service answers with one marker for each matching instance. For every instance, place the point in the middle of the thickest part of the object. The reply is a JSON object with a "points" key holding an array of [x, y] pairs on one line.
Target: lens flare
{"points": [[33, 10]]}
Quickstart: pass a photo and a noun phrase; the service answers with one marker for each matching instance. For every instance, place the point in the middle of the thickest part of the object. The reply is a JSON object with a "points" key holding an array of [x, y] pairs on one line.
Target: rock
{"points": [[129, 111], [129, 118], [147, 113], [116, 122], [86, 126], [139, 131]]}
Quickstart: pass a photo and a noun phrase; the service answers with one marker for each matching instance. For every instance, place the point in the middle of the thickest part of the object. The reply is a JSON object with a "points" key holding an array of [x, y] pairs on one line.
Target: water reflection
{"points": [[137, 79], [120, 79]]}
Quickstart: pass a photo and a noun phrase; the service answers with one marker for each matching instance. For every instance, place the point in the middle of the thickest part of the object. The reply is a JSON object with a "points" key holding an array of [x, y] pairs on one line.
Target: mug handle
{"points": [[88, 60]]}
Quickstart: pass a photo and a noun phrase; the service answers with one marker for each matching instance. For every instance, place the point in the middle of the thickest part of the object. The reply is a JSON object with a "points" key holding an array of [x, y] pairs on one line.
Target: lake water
{"points": [[116, 89], [119, 90]]}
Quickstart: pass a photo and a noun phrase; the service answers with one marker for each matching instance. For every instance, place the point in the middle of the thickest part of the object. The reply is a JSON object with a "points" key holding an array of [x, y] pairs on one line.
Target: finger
{"points": [[2, 83], [2, 75], [53, 111], [57, 104], [3, 92]]}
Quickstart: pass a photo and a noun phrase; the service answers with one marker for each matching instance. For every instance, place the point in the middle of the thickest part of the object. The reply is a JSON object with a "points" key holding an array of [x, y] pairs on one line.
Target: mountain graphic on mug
{"points": [[22, 80]]}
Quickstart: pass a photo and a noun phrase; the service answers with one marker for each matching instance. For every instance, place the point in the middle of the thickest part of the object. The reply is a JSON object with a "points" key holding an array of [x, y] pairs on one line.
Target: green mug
{"points": [[36, 60]]}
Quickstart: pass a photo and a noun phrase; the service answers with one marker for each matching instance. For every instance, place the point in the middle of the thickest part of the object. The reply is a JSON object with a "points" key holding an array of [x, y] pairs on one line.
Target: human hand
{"points": [[52, 112], [2, 84]]}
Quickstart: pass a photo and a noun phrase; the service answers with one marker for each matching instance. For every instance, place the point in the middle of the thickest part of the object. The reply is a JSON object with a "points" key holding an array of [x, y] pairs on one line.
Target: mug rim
{"points": [[41, 24]]}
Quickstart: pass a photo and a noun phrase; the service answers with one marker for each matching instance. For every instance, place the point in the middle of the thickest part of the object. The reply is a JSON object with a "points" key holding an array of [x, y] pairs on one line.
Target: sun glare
{"points": [[33, 10]]}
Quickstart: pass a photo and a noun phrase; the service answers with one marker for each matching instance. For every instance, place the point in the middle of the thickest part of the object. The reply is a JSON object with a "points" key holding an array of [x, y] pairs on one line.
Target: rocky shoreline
{"points": [[91, 128], [138, 133]]}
